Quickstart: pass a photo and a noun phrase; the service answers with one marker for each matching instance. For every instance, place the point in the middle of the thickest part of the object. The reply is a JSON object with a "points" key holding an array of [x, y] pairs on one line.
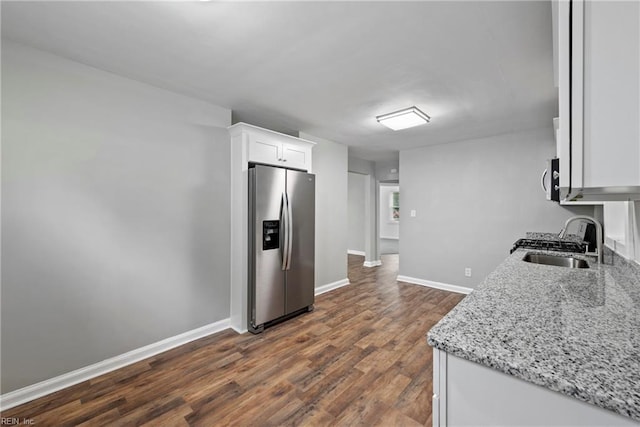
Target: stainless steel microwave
{"points": [[550, 180]]}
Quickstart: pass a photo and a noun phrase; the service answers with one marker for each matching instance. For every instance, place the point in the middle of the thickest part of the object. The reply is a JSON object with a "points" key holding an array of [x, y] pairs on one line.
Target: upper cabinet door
{"points": [[597, 60], [265, 150], [562, 57], [296, 156], [611, 81]]}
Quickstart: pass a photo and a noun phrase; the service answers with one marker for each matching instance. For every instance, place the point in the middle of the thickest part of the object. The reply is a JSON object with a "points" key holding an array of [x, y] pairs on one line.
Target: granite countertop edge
{"points": [[442, 339], [550, 382]]}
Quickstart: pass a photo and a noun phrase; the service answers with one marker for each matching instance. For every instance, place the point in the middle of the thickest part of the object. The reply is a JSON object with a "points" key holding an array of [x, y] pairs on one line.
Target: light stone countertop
{"points": [[575, 331]]}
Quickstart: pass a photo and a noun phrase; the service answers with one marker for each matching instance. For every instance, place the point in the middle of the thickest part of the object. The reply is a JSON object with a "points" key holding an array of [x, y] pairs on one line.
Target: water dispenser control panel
{"points": [[270, 235]]}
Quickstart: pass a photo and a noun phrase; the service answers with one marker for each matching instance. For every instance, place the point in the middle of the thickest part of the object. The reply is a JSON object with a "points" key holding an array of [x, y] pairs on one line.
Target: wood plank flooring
{"points": [[360, 358]]}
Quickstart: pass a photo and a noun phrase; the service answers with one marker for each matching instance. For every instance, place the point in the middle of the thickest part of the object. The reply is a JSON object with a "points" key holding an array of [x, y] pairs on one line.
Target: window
{"points": [[394, 206]]}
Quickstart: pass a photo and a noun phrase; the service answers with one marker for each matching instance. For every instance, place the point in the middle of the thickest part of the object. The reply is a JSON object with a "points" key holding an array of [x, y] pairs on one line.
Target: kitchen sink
{"points": [[560, 261]]}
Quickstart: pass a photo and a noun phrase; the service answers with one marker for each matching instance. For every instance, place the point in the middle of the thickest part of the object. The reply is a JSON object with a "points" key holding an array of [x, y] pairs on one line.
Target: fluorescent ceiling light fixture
{"points": [[403, 119]]}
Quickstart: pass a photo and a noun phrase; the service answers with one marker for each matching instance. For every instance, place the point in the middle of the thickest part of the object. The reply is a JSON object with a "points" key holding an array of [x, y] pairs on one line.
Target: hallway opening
{"points": [[389, 218]]}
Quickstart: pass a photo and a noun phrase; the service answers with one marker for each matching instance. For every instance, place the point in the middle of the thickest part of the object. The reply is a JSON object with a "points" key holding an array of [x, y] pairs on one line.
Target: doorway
{"points": [[356, 210], [389, 218]]}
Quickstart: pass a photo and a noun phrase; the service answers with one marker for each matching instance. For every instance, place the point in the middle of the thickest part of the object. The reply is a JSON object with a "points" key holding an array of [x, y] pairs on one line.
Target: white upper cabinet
{"points": [[264, 150], [296, 155], [597, 59], [272, 148]]}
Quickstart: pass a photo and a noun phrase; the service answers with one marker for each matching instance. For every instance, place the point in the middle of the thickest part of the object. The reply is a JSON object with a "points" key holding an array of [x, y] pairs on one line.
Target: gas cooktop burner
{"points": [[549, 245]]}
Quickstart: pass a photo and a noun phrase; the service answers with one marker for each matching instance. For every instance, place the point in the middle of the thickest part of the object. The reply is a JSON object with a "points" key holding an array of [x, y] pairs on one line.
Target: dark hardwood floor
{"points": [[360, 358]]}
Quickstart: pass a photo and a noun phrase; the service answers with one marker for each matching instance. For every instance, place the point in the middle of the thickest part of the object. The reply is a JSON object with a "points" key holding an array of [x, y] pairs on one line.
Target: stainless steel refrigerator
{"points": [[281, 244]]}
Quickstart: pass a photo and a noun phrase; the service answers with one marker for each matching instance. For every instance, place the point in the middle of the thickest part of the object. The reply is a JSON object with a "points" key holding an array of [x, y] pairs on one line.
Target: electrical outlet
{"points": [[467, 272], [413, 212]]}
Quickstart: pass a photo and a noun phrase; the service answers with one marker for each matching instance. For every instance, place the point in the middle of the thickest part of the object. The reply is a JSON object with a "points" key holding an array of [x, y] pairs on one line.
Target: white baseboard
{"points": [[331, 286], [43, 388], [354, 252], [240, 330], [375, 263], [436, 285], [390, 237]]}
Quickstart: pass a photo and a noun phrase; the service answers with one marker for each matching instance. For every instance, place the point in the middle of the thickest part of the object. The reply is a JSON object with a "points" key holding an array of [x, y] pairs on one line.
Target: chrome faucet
{"points": [[598, 252]]}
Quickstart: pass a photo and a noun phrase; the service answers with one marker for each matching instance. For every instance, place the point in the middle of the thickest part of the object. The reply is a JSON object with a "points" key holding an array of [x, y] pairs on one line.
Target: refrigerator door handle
{"points": [[289, 232], [284, 227]]}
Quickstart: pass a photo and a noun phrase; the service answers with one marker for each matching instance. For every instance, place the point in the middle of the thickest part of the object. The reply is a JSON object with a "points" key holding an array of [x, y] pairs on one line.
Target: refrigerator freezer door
{"points": [[266, 277], [300, 277]]}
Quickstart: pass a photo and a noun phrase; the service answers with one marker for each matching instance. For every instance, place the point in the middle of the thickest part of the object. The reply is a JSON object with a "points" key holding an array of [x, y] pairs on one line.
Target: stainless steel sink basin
{"points": [[560, 261]]}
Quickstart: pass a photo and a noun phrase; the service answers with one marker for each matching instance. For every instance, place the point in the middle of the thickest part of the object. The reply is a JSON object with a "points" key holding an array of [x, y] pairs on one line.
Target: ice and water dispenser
{"points": [[270, 235]]}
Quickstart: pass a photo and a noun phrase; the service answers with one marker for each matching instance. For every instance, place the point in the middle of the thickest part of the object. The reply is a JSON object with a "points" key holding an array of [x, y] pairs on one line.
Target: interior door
{"points": [[300, 277], [266, 277]]}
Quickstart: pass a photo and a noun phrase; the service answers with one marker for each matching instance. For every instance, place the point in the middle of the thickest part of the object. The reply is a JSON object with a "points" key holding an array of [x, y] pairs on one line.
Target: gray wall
{"points": [[330, 168], [361, 166], [115, 217], [473, 200], [384, 168], [356, 212]]}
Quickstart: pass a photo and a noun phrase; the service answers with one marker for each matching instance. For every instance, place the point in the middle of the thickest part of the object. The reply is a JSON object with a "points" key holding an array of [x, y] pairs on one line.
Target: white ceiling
{"points": [[324, 68]]}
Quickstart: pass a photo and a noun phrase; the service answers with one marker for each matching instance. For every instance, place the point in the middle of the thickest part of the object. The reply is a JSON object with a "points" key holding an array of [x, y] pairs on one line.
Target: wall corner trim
{"points": [[43, 388], [375, 263], [436, 285], [331, 286]]}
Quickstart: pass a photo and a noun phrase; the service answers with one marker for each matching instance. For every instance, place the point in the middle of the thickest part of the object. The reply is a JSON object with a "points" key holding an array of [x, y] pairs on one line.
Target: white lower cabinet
{"points": [[469, 394]]}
